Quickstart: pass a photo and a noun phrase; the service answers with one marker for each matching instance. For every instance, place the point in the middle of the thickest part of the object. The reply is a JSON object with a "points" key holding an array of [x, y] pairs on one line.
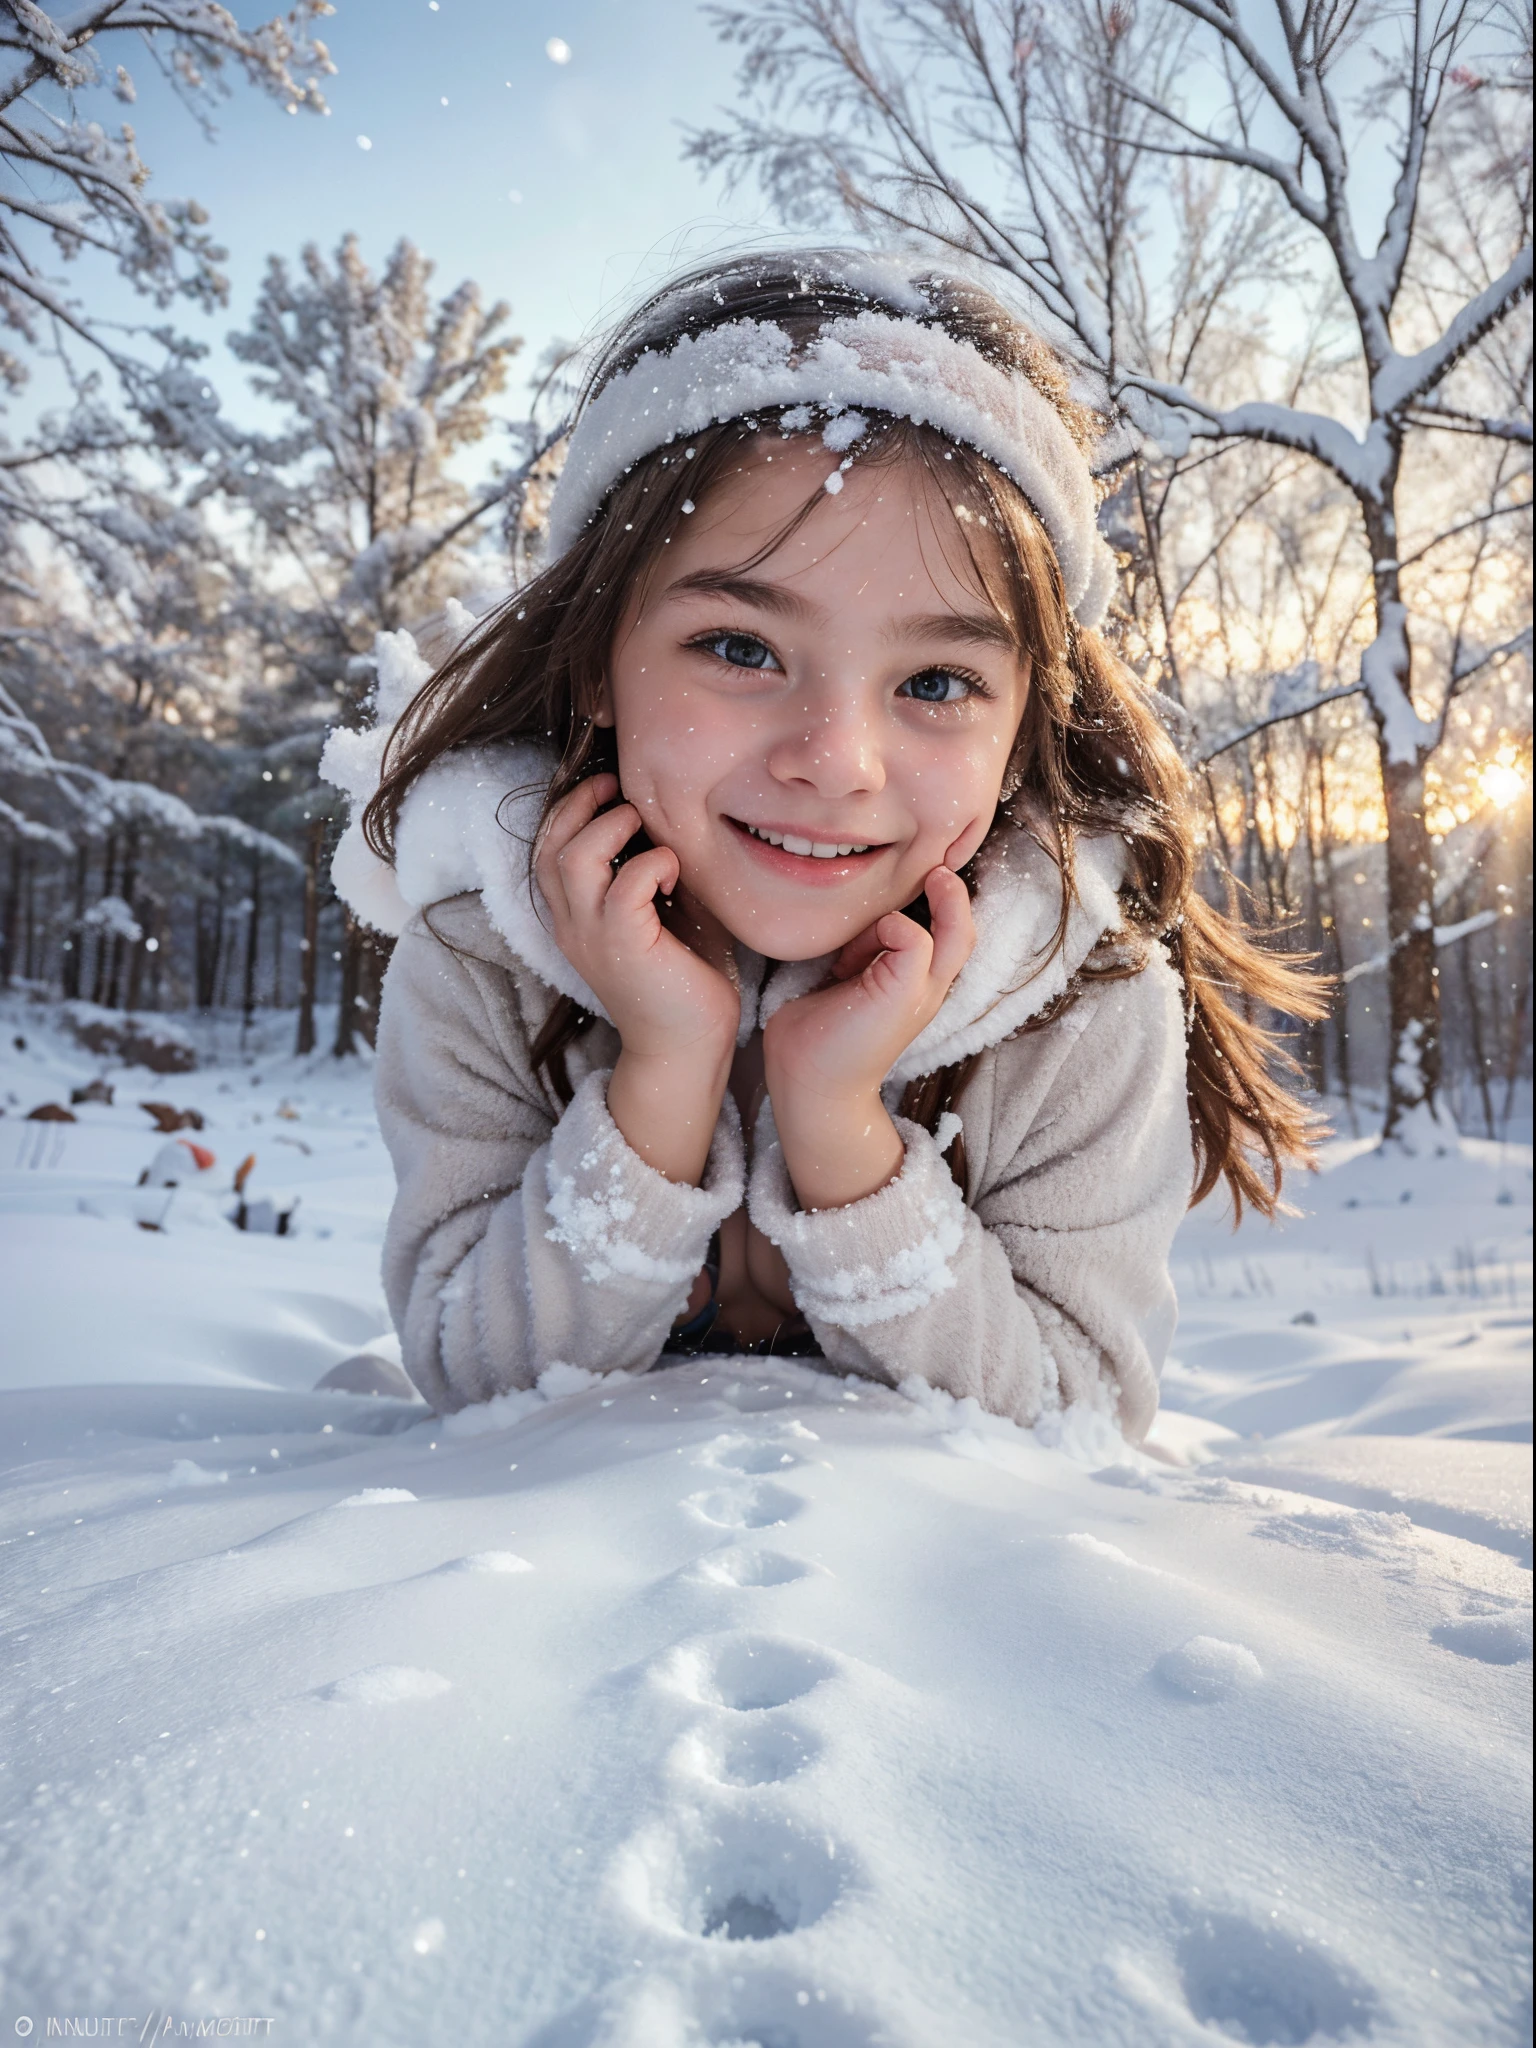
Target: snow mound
{"points": [[1205, 1668], [385, 1685], [489, 1561], [1490, 1639], [187, 1472], [377, 1497]]}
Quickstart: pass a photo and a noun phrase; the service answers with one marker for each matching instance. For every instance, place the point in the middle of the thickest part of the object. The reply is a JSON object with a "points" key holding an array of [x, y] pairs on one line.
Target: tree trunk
{"points": [[103, 937], [252, 946], [126, 883], [275, 996], [12, 915], [309, 944], [346, 1004], [74, 945], [31, 918], [377, 947], [210, 942], [364, 957], [1478, 1037], [1413, 979], [1413, 982], [147, 916]]}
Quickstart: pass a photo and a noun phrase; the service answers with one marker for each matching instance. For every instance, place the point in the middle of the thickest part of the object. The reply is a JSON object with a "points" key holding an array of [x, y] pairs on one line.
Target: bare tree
{"points": [[71, 183], [1045, 142]]}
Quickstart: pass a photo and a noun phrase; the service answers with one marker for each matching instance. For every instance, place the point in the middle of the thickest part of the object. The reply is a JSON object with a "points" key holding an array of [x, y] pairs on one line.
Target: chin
{"points": [[788, 939]]}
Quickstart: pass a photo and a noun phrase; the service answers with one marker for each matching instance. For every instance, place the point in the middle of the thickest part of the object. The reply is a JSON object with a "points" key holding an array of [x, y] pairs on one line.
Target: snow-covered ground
{"points": [[729, 1706]]}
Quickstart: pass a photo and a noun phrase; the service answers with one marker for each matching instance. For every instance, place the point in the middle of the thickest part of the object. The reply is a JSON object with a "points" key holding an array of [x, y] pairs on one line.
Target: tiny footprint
{"points": [[756, 1507], [748, 1878], [742, 1755], [1488, 1638], [749, 1673], [735, 1454], [385, 1685], [1262, 1985], [742, 1567], [1205, 1668]]}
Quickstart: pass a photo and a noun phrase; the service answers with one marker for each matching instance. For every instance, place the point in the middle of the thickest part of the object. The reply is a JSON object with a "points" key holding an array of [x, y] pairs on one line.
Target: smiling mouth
{"points": [[813, 849]]}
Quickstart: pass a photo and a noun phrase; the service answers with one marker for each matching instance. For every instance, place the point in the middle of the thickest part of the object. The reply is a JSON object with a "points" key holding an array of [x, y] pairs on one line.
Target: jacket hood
{"points": [[469, 824]]}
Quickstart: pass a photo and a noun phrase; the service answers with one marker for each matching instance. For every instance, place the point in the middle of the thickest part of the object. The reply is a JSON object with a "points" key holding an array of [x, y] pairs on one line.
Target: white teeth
{"points": [[815, 848]]}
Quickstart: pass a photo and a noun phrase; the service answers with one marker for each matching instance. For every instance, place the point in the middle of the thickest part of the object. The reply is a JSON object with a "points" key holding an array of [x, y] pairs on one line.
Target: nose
{"points": [[832, 749]]}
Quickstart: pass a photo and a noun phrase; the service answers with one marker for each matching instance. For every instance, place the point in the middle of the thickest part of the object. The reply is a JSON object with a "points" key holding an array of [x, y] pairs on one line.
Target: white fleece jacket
{"points": [[523, 1234]]}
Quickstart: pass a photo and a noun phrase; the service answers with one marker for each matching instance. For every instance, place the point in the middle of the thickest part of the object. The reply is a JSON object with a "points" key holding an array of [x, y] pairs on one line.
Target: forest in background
{"points": [[1317, 476]]}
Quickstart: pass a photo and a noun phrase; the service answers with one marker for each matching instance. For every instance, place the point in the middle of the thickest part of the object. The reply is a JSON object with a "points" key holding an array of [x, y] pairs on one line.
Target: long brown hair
{"points": [[1091, 755]]}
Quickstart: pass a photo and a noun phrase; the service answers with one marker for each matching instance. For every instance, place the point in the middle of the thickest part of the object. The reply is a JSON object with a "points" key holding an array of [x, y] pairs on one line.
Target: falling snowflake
{"points": [[558, 50]]}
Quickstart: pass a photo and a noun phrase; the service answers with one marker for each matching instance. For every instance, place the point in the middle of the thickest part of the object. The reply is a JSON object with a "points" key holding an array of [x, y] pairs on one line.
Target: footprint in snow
{"points": [[741, 1454], [1346, 1532], [753, 1507], [739, 1566], [747, 1674], [1263, 1985], [743, 1755], [386, 1685], [743, 1877], [1205, 1668], [1487, 1638]]}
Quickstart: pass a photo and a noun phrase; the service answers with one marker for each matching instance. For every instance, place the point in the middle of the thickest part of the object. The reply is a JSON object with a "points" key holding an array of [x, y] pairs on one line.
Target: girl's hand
{"points": [[676, 1015], [827, 1053]]}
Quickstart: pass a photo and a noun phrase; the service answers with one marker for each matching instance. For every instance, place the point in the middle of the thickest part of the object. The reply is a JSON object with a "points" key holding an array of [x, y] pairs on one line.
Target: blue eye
{"points": [[741, 650], [939, 686]]}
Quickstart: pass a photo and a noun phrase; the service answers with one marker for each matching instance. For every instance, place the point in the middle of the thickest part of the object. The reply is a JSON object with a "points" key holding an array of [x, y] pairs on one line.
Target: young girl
{"points": [[798, 944]]}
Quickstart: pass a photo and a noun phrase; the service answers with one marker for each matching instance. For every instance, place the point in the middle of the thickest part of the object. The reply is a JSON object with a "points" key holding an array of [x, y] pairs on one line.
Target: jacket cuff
{"points": [[620, 1218], [871, 1261]]}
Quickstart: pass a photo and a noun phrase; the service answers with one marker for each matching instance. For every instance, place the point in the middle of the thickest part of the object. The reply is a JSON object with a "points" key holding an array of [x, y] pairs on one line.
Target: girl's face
{"points": [[815, 734]]}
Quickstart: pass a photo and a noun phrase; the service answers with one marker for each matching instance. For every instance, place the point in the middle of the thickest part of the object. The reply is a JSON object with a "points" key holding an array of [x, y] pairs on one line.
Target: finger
{"points": [[901, 964], [856, 955], [953, 926], [637, 882], [576, 809], [574, 812], [586, 862]]}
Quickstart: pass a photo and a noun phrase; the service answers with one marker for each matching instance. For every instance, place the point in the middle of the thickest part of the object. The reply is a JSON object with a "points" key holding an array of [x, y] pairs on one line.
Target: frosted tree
{"points": [[363, 520], [1045, 142], [72, 188], [109, 583], [72, 184], [380, 389]]}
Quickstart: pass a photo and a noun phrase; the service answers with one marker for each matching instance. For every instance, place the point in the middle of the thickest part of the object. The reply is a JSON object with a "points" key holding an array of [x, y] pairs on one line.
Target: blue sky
{"points": [[591, 145]]}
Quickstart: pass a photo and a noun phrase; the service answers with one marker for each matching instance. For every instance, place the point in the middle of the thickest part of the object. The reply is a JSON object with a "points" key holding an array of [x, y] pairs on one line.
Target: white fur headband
{"points": [[903, 367]]}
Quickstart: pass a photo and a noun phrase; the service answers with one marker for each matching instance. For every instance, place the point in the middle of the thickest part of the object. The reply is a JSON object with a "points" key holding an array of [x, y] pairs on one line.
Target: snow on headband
{"points": [[903, 367]]}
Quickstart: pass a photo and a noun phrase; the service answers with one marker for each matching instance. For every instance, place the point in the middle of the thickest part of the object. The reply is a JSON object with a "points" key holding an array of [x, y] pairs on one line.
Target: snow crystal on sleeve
{"points": [[620, 1217], [872, 1261]]}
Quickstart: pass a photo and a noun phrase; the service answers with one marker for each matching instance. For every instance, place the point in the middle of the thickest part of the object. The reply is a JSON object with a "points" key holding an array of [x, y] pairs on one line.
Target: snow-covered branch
{"points": [[1279, 717], [1444, 935], [1402, 380]]}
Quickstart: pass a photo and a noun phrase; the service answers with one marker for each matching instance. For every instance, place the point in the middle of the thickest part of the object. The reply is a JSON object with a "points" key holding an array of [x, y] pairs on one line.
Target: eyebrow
{"points": [[976, 629], [767, 597]]}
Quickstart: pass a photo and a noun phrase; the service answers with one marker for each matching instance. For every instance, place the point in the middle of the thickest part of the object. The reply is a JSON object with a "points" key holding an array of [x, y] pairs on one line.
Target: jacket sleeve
{"points": [[1054, 1286], [518, 1241]]}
